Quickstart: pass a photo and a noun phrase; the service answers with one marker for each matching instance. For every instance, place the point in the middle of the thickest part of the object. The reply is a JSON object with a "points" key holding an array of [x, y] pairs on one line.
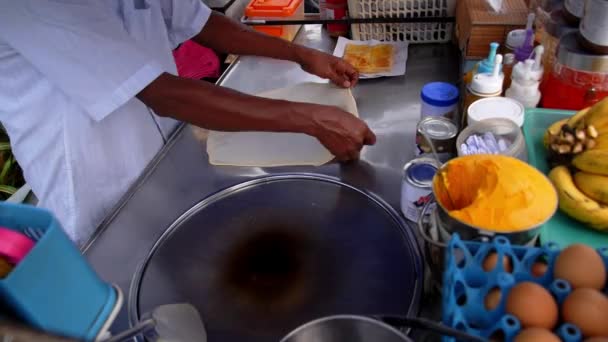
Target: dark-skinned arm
{"points": [[217, 108], [225, 35]]}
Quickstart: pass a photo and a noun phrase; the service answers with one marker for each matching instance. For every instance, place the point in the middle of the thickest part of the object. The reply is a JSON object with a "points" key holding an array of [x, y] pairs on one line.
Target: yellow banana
{"points": [[577, 118], [594, 186], [592, 161], [553, 130], [575, 203], [598, 116], [601, 143]]}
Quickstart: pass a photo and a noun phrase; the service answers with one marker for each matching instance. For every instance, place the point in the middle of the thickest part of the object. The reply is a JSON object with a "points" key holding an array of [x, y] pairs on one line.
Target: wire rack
{"points": [[427, 32]]}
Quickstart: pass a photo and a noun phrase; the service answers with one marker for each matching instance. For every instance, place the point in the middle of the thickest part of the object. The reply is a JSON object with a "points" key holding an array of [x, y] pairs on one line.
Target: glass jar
{"points": [[578, 79], [553, 30]]}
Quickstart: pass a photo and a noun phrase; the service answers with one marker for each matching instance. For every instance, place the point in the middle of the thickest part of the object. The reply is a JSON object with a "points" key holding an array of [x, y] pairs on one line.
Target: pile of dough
{"points": [[263, 149], [370, 59]]}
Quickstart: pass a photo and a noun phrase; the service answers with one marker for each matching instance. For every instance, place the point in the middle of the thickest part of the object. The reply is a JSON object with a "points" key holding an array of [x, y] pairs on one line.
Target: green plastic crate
{"points": [[560, 229]]}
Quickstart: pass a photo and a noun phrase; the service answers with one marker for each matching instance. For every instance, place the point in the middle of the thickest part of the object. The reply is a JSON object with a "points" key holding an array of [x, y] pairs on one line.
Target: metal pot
{"points": [[467, 231], [594, 26], [352, 328]]}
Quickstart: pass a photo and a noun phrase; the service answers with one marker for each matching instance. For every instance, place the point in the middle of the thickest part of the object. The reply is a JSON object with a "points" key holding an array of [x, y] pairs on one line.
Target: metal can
{"points": [[441, 133], [417, 186]]}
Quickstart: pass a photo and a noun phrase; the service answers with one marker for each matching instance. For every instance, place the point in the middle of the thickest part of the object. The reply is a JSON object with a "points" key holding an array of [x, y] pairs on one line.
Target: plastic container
{"points": [[484, 66], [483, 85], [515, 39], [466, 285], [496, 107], [336, 9], [14, 246], [439, 99], [54, 288], [500, 128], [273, 10], [414, 33], [526, 78], [560, 228], [524, 51]]}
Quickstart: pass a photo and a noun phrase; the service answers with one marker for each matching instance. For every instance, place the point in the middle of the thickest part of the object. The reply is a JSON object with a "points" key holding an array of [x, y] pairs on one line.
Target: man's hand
{"points": [[222, 109], [228, 36], [342, 133], [329, 67]]}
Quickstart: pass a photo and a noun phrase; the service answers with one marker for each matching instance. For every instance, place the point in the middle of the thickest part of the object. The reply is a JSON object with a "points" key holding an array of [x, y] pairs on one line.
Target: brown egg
{"points": [[533, 305], [588, 310], [581, 266], [538, 269], [489, 263], [536, 335], [492, 299]]}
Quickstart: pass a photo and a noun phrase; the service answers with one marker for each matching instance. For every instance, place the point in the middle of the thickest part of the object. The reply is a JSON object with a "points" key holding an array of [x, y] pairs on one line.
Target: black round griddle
{"points": [[263, 257]]}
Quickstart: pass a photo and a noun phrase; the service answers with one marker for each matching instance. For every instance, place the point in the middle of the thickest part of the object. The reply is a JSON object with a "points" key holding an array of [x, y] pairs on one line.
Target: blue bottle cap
{"points": [[440, 94], [421, 173], [487, 65]]}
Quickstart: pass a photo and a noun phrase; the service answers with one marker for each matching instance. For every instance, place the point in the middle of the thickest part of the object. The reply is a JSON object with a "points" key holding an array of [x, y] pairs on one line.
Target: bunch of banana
{"points": [[576, 203], [562, 138], [581, 179]]}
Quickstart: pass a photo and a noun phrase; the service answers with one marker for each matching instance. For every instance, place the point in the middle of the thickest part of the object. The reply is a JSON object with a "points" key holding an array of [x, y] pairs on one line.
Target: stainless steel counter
{"points": [[181, 175]]}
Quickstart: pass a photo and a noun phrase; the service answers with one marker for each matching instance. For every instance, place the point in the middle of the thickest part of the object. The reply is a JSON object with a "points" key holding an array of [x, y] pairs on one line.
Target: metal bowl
{"points": [[468, 231]]}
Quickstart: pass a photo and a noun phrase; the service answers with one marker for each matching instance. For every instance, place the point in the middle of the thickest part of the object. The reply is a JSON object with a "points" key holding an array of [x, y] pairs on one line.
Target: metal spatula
{"points": [[168, 323]]}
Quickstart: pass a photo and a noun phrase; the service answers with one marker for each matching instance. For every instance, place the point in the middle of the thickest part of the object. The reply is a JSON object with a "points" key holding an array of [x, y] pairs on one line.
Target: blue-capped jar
{"points": [[439, 99]]}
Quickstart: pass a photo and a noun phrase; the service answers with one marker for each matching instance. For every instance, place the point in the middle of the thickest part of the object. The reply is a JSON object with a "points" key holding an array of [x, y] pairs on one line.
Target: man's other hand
{"points": [[328, 67]]}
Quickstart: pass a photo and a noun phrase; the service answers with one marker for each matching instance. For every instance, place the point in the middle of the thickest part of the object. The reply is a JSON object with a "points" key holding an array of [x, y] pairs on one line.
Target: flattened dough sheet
{"points": [[264, 149]]}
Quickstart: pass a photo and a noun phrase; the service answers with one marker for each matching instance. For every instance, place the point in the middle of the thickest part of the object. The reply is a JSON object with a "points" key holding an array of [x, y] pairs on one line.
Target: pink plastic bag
{"points": [[196, 61]]}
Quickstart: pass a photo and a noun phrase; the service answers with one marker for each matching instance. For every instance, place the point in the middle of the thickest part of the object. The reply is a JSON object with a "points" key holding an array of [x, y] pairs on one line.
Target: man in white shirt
{"points": [[88, 95]]}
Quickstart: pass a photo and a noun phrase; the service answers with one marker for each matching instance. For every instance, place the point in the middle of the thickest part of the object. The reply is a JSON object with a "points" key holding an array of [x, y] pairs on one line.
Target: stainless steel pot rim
{"points": [[133, 312], [570, 54], [488, 232], [346, 318]]}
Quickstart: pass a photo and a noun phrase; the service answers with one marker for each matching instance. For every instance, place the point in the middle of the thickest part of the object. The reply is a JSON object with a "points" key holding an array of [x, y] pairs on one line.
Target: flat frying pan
{"points": [[263, 257]]}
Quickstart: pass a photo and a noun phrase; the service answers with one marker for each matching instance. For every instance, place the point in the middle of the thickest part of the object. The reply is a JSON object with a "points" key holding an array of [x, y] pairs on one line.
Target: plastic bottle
{"points": [[525, 51], [517, 38], [507, 69], [485, 66], [336, 9], [526, 79], [482, 86]]}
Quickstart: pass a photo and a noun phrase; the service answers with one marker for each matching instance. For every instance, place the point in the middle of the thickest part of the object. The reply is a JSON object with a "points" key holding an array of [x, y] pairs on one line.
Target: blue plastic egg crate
{"points": [[466, 285], [54, 288]]}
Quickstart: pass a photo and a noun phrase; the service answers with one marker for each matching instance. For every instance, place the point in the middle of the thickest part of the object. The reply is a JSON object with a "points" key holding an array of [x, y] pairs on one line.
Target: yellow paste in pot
{"points": [[495, 192]]}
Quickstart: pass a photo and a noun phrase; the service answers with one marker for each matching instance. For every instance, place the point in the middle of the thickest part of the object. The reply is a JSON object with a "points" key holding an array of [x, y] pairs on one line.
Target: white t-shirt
{"points": [[69, 73]]}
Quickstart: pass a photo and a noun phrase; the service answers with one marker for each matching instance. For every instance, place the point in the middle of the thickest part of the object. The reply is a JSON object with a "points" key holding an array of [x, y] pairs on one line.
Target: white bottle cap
{"points": [[488, 84]]}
